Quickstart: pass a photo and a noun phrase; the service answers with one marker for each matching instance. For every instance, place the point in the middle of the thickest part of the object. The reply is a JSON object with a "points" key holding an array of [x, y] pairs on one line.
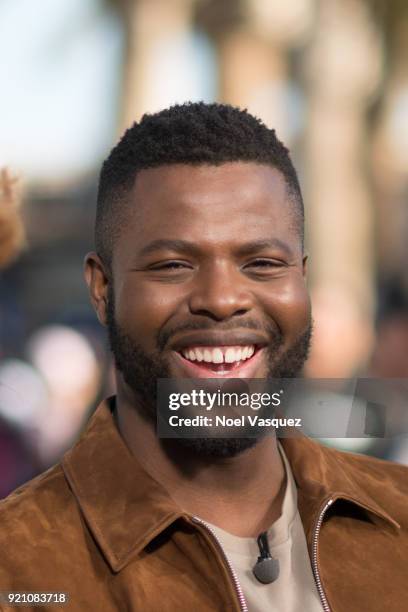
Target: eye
{"points": [[170, 265], [265, 263]]}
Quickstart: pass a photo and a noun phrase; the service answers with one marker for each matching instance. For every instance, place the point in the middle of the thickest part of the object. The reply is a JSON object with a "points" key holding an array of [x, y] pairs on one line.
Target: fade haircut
{"points": [[190, 133]]}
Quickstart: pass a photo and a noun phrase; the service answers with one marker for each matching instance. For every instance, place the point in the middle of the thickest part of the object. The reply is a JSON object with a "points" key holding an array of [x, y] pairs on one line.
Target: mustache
{"points": [[271, 330]]}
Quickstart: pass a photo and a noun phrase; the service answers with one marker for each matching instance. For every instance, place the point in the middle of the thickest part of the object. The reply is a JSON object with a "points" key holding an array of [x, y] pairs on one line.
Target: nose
{"points": [[220, 293]]}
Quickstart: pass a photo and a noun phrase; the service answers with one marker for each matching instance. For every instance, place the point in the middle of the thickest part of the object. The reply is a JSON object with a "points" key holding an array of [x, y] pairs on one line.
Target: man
{"points": [[199, 271]]}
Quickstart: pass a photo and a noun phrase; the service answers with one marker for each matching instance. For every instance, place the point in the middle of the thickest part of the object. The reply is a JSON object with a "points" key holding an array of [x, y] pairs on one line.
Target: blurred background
{"points": [[331, 76]]}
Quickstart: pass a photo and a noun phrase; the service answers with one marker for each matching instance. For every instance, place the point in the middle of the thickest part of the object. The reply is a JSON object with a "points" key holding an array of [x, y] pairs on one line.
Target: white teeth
{"points": [[230, 355], [219, 354], [207, 355]]}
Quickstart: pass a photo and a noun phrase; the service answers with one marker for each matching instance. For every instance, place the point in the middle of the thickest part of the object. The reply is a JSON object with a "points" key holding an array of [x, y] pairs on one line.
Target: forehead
{"points": [[232, 201]]}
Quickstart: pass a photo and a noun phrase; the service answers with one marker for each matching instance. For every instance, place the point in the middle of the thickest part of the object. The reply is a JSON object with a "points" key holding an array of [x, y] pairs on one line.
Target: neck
{"points": [[241, 494]]}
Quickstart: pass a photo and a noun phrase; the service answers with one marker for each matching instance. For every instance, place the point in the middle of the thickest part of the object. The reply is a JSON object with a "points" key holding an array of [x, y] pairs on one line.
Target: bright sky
{"points": [[60, 82], [59, 61]]}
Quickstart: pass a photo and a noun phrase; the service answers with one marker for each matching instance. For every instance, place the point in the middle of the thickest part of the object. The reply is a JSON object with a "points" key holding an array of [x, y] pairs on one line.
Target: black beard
{"points": [[141, 371]]}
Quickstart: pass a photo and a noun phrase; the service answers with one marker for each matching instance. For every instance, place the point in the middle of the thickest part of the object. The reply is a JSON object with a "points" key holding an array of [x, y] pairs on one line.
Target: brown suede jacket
{"points": [[98, 528]]}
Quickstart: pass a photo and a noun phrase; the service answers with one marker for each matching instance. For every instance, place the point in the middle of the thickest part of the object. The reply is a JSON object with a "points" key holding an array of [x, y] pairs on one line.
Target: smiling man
{"points": [[199, 272]]}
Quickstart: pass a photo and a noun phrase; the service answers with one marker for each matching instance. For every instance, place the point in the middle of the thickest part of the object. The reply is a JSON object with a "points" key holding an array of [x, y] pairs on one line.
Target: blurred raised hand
{"points": [[12, 235]]}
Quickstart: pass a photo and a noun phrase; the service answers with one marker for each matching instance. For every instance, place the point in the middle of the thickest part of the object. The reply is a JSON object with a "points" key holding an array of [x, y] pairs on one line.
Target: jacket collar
{"points": [[125, 508], [122, 504], [323, 473]]}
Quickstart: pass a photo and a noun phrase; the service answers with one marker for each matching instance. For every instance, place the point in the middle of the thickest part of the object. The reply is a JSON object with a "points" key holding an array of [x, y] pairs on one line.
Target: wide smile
{"points": [[219, 361]]}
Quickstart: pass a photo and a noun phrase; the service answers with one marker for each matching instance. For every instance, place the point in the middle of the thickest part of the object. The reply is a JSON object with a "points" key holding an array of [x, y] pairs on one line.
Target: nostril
{"points": [[243, 311]]}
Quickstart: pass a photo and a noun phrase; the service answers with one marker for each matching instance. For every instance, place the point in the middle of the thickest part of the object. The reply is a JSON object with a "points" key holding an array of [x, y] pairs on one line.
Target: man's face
{"points": [[208, 278]]}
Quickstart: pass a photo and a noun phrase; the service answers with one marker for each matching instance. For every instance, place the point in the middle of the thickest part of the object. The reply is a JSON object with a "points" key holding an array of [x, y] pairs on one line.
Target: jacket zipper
{"points": [[238, 588], [318, 580], [319, 585]]}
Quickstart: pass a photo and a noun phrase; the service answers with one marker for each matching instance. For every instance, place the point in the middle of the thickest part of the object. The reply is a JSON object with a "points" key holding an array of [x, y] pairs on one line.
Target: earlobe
{"points": [[97, 281]]}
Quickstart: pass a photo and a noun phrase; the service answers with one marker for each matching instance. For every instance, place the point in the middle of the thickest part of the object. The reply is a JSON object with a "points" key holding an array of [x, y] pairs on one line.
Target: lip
{"points": [[243, 338], [191, 369]]}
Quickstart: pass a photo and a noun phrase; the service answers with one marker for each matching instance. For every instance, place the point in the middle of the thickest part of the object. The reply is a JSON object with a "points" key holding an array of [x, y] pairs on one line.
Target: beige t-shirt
{"points": [[295, 588]]}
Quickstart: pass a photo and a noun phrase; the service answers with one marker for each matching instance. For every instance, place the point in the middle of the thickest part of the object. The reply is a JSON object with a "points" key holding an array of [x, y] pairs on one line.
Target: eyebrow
{"points": [[184, 246], [169, 245], [258, 245]]}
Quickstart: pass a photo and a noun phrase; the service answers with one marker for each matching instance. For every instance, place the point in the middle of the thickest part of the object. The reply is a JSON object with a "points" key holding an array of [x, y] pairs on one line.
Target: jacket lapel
{"points": [[323, 473], [122, 505]]}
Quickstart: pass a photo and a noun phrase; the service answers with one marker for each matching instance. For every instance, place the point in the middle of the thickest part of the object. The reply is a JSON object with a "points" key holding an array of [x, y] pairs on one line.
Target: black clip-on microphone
{"points": [[266, 569]]}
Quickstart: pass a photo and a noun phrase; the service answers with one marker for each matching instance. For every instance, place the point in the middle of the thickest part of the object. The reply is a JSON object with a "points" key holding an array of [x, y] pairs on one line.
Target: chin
{"points": [[217, 448]]}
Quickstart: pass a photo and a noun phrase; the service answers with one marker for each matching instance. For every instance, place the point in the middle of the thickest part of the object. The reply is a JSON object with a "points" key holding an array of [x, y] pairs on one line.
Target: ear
{"points": [[97, 280], [304, 265]]}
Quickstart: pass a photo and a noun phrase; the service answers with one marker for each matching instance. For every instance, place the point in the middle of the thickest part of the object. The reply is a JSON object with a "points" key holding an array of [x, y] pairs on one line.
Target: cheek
{"points": [[288, 305], [143, 308]]}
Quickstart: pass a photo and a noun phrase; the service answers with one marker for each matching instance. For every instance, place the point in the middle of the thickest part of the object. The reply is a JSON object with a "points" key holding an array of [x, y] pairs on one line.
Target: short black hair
{"points": [[191, 133]]}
